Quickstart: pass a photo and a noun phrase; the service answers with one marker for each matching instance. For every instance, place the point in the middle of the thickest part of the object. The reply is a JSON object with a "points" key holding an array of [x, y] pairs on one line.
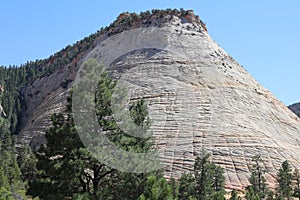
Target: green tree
{"points": [[66, 168], [60, 173], [174, 186], [209, 179], [157, 188], [270, 195], [235, 195], [251, 195], [27, 162], [206, 182], [187, 187], [284, 179], [296, 178], [5, 194], [257, 179], [3, 179], [10, 181]]}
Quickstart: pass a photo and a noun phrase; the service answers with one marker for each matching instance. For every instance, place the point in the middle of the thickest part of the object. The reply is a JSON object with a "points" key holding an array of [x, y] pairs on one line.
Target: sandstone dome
{"points": [[198, 98]]}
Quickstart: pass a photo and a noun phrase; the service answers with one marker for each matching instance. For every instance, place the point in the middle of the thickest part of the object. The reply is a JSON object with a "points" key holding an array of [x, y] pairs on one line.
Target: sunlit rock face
{"points": [[198, 98]]}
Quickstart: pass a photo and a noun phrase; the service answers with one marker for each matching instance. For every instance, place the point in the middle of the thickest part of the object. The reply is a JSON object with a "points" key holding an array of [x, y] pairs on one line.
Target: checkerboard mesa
{"points": [[198, 96]]}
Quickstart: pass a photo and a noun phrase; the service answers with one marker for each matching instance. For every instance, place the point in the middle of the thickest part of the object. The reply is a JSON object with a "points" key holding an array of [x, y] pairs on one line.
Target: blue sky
{"points": [[263, 36]]}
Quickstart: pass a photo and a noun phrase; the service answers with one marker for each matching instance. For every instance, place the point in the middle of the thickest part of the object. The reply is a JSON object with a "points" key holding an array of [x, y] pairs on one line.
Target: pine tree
{"points": [[66, 169], [257, 179], [5, 194], [270, 195], [296, 178], [234, 195], [157, 188], [27, 163], [10, 181], [3, 179], [209, 179], [206, 182], [284, 179], [187, 186], [174, 187], [251, 195]]}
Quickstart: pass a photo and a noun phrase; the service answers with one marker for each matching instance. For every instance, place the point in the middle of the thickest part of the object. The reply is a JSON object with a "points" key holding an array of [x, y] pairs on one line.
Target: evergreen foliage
{"points": [[187, 186], [209, 179], [270, 195], [296, 179], [251, 195], [10, 181], [235, 196], [257, 179], [67, 169], [284, 179], [27, 163], [206, 182], [156, 188]]}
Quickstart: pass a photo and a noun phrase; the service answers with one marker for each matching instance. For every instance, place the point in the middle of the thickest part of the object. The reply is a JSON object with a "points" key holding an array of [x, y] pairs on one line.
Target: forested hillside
{"points": [[13, 78], [13, 174], [65, 169]]}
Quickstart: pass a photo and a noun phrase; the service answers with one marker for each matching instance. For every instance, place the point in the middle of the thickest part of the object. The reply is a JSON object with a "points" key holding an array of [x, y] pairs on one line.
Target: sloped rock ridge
{"points": [[198, 97], [47, 94]]}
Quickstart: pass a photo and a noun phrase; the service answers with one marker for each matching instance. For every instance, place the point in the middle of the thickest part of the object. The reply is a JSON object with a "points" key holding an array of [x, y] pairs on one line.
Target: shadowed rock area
{"points": [[295, 108]]}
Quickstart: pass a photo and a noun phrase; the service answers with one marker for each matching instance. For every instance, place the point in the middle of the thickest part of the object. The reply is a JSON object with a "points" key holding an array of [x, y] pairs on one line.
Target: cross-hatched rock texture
{"points": [[198, 98]]}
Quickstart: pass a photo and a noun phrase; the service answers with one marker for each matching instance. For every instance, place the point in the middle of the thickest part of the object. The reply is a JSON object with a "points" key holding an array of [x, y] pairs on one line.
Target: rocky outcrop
{"points": [[295, 108], [198, 97], [44, 97]]}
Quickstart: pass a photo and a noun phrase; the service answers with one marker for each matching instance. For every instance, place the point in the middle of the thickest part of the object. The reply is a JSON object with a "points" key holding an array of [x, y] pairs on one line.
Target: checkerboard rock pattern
{"points": [[198, 98]]}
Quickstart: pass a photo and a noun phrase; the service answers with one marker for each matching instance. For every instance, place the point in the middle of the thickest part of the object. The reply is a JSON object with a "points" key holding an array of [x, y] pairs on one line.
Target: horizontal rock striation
{"points": [[198, 98]]}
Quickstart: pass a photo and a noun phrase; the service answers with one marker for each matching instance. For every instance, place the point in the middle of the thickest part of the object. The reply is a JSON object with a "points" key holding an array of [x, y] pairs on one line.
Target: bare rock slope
{"points": [[198, 97]]}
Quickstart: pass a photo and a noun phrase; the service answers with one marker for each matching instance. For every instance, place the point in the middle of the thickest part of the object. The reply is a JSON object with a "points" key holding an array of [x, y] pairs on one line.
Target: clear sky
{"points": [[262, 35]]}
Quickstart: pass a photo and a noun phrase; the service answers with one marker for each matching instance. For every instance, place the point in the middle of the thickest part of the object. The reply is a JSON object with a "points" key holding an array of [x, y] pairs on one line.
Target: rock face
{"points": [[295, 108], [43, 98], [198, 98]]}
